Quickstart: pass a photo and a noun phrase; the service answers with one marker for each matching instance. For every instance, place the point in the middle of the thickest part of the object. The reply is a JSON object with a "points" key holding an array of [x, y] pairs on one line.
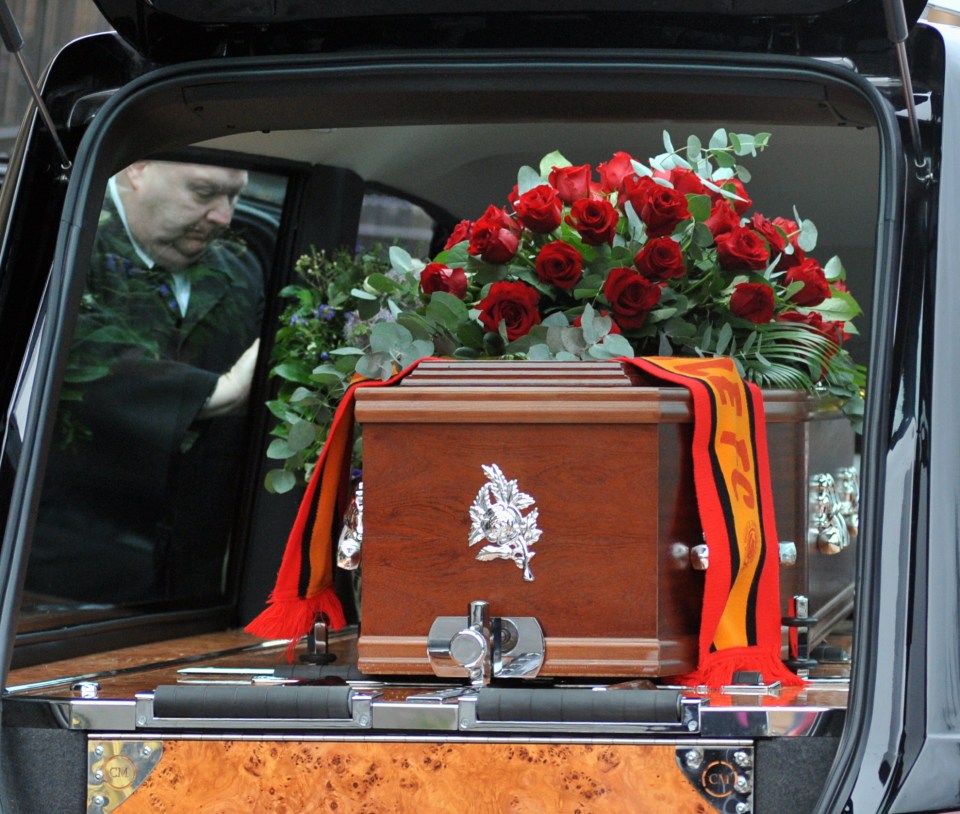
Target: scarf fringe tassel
{"points": [[718, 668], [282, 616]]}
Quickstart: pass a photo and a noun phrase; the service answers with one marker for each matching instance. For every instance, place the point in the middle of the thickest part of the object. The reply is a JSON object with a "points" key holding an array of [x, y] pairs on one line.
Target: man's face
{"points": [[175, 210]]}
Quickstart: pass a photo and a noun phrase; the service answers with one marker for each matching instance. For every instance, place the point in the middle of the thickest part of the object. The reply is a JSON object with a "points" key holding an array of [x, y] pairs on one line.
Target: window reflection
{"points": [[144, 470]]}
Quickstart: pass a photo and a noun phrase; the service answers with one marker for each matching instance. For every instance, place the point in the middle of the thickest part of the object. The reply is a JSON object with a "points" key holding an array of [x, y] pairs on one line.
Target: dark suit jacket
{"points": [[138, 494]]}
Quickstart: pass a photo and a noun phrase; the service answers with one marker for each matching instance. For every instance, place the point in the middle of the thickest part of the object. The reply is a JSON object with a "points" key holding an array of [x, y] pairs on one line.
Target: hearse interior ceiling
{"points": [[462, 168]]}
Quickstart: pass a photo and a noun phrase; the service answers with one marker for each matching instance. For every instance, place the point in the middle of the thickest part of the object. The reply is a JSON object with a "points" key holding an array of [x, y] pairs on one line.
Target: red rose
{"points": [[659, 207], [595, 220], [742, 248], [559, 264], [815, 286], [753, 301], [539, 209], [735, 186], [495, 236], [514, 304], [571, 183], [832, 330], [777, 240], [438, 277], [723, 218], [684, 181], [792, 233], [661, 259], [631, 296], [613, 172], [614, 328], [460, 233]]}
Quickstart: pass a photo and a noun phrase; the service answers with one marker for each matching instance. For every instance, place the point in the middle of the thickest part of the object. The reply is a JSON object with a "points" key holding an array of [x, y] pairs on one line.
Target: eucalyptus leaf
{"points": [[385, 337], [693, 148], [551, 161], [834, 270], [807, 239], [528, 178], [301, 435], [375, 366], [725, 160], [573, 340], [557, 319], [718, 141], [400, 259], [616, 345], [279, 481], [380, 283], [278, 450], [539, 353]]}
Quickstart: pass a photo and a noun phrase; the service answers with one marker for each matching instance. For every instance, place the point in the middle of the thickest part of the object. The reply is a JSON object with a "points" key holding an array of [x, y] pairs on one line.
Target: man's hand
{"points": [[233, 387]]}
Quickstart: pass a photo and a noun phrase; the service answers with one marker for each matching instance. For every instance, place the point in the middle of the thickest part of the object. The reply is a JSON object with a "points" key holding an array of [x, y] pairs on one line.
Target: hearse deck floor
{"points": [[121, 674]]}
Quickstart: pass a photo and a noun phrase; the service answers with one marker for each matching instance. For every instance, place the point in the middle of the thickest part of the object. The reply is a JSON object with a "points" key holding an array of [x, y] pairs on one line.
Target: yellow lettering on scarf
{"points": [[737, 465]]}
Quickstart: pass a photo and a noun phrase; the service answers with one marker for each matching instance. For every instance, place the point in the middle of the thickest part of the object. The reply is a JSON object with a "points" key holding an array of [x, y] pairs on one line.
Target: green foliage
{"points": [[340, 317]]}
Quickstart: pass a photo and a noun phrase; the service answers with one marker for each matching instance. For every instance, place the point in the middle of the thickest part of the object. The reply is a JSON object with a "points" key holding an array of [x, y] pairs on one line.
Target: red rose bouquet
{"points": [[630, 258]]}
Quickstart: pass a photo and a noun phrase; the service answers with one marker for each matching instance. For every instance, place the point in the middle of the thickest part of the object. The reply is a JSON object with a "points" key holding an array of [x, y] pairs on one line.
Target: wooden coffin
{"points": [[605, 458]]}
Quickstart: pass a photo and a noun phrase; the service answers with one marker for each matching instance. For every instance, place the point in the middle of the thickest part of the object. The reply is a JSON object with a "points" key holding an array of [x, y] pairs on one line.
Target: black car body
{"points": [[436, 105]]}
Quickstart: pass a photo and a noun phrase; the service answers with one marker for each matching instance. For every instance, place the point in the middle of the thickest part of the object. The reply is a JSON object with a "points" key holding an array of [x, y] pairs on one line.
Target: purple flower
{"points": [[325, 312], [295, 320]]}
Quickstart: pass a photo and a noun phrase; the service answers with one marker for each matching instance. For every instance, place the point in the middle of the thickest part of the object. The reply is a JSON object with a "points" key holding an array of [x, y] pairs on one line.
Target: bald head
{"points": [[175, 210]]}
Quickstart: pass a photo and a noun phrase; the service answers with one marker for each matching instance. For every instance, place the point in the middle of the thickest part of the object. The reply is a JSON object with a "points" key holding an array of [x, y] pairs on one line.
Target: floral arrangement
{"points": [[630, 258], [326, 309]]}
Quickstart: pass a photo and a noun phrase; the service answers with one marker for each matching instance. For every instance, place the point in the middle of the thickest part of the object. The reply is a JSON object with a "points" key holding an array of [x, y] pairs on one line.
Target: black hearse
{"points": [[333, 110]]}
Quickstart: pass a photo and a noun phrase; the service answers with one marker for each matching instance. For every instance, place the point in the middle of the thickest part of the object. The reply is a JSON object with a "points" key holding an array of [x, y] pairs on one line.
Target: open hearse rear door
{"points": [[139, 538]]}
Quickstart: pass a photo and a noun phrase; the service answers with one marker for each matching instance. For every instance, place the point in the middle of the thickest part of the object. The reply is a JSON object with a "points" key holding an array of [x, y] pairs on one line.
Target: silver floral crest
{"points": [[497, 517]]}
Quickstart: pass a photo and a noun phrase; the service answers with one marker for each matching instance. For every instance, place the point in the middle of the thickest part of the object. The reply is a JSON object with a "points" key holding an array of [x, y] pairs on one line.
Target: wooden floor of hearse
{"points": [[121, 674]]}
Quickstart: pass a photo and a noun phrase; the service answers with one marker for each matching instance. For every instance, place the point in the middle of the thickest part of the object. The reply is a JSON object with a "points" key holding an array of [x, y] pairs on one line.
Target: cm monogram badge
{"points": [[497, 518]]}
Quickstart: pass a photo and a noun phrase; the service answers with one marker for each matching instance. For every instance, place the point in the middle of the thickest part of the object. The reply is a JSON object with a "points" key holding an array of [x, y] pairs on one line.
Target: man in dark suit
{"points": [[137, 500]]}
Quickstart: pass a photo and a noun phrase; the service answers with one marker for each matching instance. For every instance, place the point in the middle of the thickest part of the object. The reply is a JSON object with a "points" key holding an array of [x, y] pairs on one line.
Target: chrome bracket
{"points": [[115, 769], [723, 776], [482, 647]]}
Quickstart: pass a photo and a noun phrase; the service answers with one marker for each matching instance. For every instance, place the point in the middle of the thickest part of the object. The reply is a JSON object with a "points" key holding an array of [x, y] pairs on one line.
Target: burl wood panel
{"points": [[244, 777]]}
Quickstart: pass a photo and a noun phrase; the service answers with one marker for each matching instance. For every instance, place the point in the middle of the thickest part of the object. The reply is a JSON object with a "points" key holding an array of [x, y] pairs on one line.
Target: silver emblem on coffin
{"points": [[497, 519]]}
